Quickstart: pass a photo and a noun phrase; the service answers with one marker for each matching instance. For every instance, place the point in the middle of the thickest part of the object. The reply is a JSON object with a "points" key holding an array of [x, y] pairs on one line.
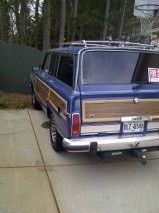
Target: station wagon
{"points": [[101, 97]]}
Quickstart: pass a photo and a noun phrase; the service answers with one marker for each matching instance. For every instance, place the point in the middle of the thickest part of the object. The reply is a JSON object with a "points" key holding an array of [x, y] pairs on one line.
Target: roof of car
{"points": [[76, 50], [73, 50]]}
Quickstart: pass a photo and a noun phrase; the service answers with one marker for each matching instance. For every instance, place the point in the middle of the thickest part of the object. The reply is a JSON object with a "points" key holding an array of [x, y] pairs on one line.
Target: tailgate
{"points": [[102, 110]]}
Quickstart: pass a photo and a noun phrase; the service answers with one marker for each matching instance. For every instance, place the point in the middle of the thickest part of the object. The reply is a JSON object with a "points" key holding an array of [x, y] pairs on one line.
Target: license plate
{"points": [[130, 127]]}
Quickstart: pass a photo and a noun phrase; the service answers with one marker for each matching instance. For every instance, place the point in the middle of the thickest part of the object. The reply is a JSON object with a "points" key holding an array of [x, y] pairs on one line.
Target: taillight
{"points": [[76, 124]]}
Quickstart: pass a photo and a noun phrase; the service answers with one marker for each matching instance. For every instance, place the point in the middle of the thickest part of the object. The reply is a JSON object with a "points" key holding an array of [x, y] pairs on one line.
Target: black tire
{"points": [[56, 139], [35, 103]]}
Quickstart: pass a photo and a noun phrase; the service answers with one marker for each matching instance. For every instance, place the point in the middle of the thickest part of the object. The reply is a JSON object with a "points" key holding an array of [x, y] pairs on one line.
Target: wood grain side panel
{"points": [[42, 90], [94, 111], [48, 94], [58, 103]]}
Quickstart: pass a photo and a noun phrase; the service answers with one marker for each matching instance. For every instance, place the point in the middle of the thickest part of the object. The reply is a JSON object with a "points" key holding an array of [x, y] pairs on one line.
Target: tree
{"points": [[75, 6], [21, 11], [4, 21], [15, 5], [106, 17], [46, 24], [23, 21], [39, 23], [37, 11], [122, 19], [62, 22], [37, 2]]}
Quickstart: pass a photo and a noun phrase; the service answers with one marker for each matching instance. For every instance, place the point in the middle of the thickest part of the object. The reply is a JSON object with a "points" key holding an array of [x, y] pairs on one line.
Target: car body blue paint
{"points": [[85, 92], [71, 96]]}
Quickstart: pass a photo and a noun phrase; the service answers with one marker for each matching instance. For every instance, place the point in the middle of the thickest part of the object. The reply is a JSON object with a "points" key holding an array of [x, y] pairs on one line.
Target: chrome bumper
{"points": [[111, 143]]}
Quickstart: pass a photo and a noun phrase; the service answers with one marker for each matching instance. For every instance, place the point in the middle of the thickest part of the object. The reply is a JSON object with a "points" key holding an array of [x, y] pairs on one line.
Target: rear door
{"points": [[62, 93]]}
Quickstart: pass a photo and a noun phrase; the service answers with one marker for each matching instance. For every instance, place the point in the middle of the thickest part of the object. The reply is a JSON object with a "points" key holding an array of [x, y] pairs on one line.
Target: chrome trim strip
{"points": [[110, 128], [111, 143], [153, 125], [77, 68], [136, 118]]}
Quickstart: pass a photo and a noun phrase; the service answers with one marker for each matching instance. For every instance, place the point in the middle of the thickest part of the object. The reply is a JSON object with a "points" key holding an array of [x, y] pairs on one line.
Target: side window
{"points": [[46, 63], [145, 61], [54, 64], [65, 71]]}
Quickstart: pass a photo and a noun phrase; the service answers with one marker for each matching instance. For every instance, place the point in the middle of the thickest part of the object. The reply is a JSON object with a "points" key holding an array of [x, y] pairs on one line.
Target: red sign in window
{"points": [[153, 74]]}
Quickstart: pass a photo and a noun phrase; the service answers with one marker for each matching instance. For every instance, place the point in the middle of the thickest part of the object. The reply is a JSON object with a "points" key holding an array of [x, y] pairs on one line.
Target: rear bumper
{"points": [[111, 143]]}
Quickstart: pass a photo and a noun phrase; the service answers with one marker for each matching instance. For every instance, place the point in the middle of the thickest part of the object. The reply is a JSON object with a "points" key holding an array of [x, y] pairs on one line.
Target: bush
{"points": [[10, 101], [4, 103]]}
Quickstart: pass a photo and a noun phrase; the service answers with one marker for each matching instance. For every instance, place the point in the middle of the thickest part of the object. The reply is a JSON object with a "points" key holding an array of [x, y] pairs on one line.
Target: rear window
{"points": [[103, 67]]}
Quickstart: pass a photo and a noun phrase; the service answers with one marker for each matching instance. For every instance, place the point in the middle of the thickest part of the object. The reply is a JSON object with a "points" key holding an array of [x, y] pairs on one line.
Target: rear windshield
{"points": [[102, 67]]}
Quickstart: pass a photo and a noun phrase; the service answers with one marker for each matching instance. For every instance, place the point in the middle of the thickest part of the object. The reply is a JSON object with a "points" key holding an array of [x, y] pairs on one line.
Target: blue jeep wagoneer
{"points": [[101, 97]]}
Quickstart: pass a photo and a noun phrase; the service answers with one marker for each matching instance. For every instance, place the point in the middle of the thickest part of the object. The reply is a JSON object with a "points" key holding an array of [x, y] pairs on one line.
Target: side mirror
{"points": [[34, 69]]}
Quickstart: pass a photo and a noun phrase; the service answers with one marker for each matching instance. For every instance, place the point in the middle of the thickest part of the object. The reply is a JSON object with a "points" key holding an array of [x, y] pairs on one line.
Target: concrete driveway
{"points": [[35, 179]]}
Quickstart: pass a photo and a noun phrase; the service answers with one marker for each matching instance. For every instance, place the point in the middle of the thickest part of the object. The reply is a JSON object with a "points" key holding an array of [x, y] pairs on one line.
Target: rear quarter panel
{"points": [[57, 94]]}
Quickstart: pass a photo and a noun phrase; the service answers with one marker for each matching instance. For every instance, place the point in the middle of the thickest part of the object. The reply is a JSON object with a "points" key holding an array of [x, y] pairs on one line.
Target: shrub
{"points": [[4, 103], [14, 101]]}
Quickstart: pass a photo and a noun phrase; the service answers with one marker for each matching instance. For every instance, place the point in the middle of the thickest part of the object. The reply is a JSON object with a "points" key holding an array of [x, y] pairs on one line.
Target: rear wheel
{"points": [[56, 139], [35, 103]]}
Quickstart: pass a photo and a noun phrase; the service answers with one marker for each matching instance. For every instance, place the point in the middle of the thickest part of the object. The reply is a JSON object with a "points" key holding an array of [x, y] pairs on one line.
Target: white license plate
{"points": [[130, 127]]}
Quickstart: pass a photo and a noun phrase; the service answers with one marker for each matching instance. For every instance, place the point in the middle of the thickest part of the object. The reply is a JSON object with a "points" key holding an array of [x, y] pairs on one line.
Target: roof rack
{"points": [[88, 43]]}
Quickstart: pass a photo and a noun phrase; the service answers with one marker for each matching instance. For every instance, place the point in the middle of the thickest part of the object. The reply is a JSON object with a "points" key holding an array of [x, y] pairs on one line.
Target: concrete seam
{"points": [[19, 167], [52, 190], [95, 163]]}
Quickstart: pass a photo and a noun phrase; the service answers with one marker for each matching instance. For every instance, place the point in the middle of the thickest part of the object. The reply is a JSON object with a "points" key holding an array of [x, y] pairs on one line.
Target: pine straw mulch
{"points": [[14, 101]]}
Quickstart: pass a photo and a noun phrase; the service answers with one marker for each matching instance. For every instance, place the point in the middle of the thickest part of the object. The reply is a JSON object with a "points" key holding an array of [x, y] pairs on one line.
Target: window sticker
{"points": [[153, 74]]}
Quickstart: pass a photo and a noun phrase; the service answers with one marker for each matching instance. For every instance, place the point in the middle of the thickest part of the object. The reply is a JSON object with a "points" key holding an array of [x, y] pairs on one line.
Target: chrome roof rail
{"points": [[88, 43]]}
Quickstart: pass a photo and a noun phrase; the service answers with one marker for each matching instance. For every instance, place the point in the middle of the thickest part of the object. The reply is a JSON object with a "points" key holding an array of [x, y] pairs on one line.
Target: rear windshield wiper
{"points": [[139, 85]]}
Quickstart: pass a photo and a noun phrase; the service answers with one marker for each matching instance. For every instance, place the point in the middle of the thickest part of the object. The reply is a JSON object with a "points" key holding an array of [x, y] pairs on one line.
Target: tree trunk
{"points": [[4, 21], [37, 23], [17, 21], [46, 24], [81, 33], [122, 19], [1, 22], [106, 17], [62, 24], [75, 6], [23, 21], [37, 11]]}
